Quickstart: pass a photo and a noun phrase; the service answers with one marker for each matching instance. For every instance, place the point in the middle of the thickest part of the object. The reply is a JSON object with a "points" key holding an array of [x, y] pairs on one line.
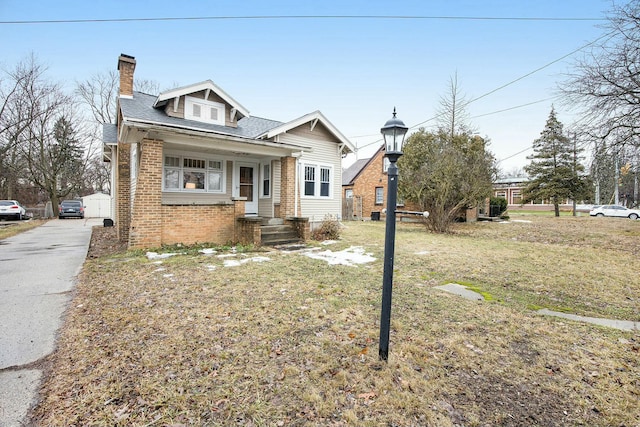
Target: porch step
{"points": [[272, 221], [273, 235]]}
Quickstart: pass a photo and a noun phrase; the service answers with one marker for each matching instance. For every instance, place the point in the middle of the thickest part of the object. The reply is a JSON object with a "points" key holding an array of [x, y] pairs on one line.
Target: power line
{"points": [[318, 17], [509, 84]]}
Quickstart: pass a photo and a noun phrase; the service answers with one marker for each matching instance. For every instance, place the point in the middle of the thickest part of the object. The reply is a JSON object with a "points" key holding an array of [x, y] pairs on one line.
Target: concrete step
{"points": [[272, 221], [278, 235]]}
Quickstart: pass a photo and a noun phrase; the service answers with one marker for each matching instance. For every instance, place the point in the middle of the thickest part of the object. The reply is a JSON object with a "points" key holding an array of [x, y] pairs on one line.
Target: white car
{"points": [[12, 209], [615, 210]]}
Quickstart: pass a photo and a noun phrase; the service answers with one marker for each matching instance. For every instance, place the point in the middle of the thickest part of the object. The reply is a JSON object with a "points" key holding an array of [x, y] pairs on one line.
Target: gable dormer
{"points": [[202, 102]]}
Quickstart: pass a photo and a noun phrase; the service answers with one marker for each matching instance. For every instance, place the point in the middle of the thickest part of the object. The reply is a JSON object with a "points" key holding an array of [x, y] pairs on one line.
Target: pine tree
{"points": [[552, 170]]}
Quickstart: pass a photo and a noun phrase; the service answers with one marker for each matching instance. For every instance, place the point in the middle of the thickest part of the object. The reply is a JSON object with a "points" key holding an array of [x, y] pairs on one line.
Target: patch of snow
{"points": [[329, 242], [350, 256], [210, 267], [208, 251], [422, 253], [166, 276], [155, 255], [236, 263], [160, 269], [526, 221]]}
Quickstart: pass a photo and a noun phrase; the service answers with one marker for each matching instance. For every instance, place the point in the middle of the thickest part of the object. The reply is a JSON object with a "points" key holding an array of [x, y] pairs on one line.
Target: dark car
{"points": [[71, 209]]}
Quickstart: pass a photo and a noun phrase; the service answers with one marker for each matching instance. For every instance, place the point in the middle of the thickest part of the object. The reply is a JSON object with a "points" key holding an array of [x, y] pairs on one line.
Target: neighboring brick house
{"points": [[364, 187], [191, 165]]}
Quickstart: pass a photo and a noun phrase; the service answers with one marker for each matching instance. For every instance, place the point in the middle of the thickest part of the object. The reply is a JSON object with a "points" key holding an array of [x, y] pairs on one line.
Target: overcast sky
{"points": [[352, 60]]}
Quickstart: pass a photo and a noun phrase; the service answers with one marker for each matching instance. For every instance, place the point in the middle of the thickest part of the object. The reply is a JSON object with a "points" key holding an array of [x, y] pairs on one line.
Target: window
{"points": [[325, 182], [204, 111], [317, 181], [517, 197], [385, 164], [348, 194], [266, 180], [379, 195], [193, 174], [309, 180]]}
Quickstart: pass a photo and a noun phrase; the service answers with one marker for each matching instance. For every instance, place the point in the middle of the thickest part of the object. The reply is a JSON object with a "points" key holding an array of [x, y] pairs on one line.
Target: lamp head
{"points": [[393, 132]]}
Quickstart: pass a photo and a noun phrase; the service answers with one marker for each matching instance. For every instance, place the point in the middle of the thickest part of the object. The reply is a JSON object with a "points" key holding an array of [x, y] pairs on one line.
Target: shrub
{"points": [[328, 230], [498, 205]]}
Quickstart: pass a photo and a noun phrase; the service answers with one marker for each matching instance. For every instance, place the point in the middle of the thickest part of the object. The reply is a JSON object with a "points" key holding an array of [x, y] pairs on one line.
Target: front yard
{"points": [[278, 338]]}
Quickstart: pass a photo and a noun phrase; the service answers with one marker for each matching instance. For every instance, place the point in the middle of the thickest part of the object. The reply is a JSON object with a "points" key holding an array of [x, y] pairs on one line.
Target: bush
{"points": [[328, 230], [497, 206]]}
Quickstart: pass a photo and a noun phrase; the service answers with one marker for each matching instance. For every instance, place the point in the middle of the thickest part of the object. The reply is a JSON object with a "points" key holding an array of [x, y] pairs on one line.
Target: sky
{"points": [[354, 60]]}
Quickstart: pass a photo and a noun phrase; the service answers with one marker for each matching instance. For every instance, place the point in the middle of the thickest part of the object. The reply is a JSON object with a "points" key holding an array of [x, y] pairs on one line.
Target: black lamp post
{"points": [[393, 132]]}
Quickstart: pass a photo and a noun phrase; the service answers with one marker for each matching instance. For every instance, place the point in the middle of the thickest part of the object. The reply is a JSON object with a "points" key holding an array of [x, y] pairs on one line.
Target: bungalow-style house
{"points": [[364, 187], [190, 165]]}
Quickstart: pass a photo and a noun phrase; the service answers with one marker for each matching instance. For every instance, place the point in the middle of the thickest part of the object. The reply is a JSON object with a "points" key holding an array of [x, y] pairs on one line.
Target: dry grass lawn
{"points": [[293, 341]]}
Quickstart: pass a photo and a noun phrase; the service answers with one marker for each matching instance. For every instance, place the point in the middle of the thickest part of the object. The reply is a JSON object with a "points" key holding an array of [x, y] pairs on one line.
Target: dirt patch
{"points": [[104, 242]]}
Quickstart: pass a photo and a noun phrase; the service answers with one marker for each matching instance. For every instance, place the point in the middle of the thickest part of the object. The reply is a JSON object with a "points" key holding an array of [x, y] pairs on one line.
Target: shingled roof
{"points": [[140, 109]]}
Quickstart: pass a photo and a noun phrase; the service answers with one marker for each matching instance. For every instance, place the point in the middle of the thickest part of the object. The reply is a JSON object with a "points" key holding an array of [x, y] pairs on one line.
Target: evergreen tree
{"points": [[553, 170]]}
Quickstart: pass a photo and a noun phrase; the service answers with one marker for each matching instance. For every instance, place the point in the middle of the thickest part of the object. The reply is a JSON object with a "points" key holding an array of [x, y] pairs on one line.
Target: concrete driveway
{"points": [[38, 270]]}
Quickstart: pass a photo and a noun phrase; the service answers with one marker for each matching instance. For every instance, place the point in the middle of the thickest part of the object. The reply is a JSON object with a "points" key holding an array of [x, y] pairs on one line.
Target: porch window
{"points": [[182, 173], [317, 181], [379, 195], [266, 180]]}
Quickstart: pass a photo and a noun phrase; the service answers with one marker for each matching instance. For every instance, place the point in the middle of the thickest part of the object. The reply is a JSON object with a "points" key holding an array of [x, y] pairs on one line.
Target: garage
{"points": [[97, 205]]}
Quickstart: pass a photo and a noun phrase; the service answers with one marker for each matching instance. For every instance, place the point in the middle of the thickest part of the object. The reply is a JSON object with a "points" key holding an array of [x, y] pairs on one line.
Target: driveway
{"points": [[38, 270]]}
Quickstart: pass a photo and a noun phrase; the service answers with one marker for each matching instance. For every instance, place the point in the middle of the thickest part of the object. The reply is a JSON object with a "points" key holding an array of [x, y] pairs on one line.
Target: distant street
{"points": [[38, 270]]}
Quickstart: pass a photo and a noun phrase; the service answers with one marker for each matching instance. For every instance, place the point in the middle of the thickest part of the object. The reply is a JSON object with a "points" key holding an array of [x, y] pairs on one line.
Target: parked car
{"points": [[71, 209], [615, 210], [12, 209]]}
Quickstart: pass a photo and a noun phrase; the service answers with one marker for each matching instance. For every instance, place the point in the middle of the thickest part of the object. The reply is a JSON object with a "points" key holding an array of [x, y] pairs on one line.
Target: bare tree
{"points": [[605, 83], [453, 117], [19, 98], [99, 94]]}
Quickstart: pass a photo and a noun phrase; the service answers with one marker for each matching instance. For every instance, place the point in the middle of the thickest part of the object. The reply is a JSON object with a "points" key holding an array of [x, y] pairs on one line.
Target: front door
{"points": [[246, 178]]}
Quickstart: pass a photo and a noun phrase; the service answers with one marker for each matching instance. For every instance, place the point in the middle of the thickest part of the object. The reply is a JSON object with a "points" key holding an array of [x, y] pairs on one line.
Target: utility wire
{"points": [[284, 17], [509, 84]]}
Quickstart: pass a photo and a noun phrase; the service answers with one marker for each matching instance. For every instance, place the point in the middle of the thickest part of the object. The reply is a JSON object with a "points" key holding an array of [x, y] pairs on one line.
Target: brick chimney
{"points": [[126, 67]]}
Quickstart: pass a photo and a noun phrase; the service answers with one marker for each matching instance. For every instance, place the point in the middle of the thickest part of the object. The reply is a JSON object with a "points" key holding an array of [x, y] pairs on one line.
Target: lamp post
{"points": [[393, 132]]}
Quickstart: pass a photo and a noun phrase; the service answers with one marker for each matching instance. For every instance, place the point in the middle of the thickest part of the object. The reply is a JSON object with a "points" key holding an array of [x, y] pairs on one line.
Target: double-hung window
{"points": [[186, 173], [266, 180], [379, 195], [317, 181]]}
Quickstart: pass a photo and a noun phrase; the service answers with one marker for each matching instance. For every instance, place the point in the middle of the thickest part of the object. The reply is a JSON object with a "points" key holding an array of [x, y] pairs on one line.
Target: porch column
{"points": [[288, 188], [146, 214]]}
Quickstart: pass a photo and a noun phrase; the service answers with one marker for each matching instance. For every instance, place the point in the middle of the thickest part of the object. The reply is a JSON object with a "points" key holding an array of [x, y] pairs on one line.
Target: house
{"points": [[364, 187], [192, 165], [512, 189]]}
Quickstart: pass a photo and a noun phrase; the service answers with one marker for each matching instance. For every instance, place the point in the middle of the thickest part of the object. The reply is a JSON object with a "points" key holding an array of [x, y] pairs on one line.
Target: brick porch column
{"points": [[146, 215], [288, 187]]}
